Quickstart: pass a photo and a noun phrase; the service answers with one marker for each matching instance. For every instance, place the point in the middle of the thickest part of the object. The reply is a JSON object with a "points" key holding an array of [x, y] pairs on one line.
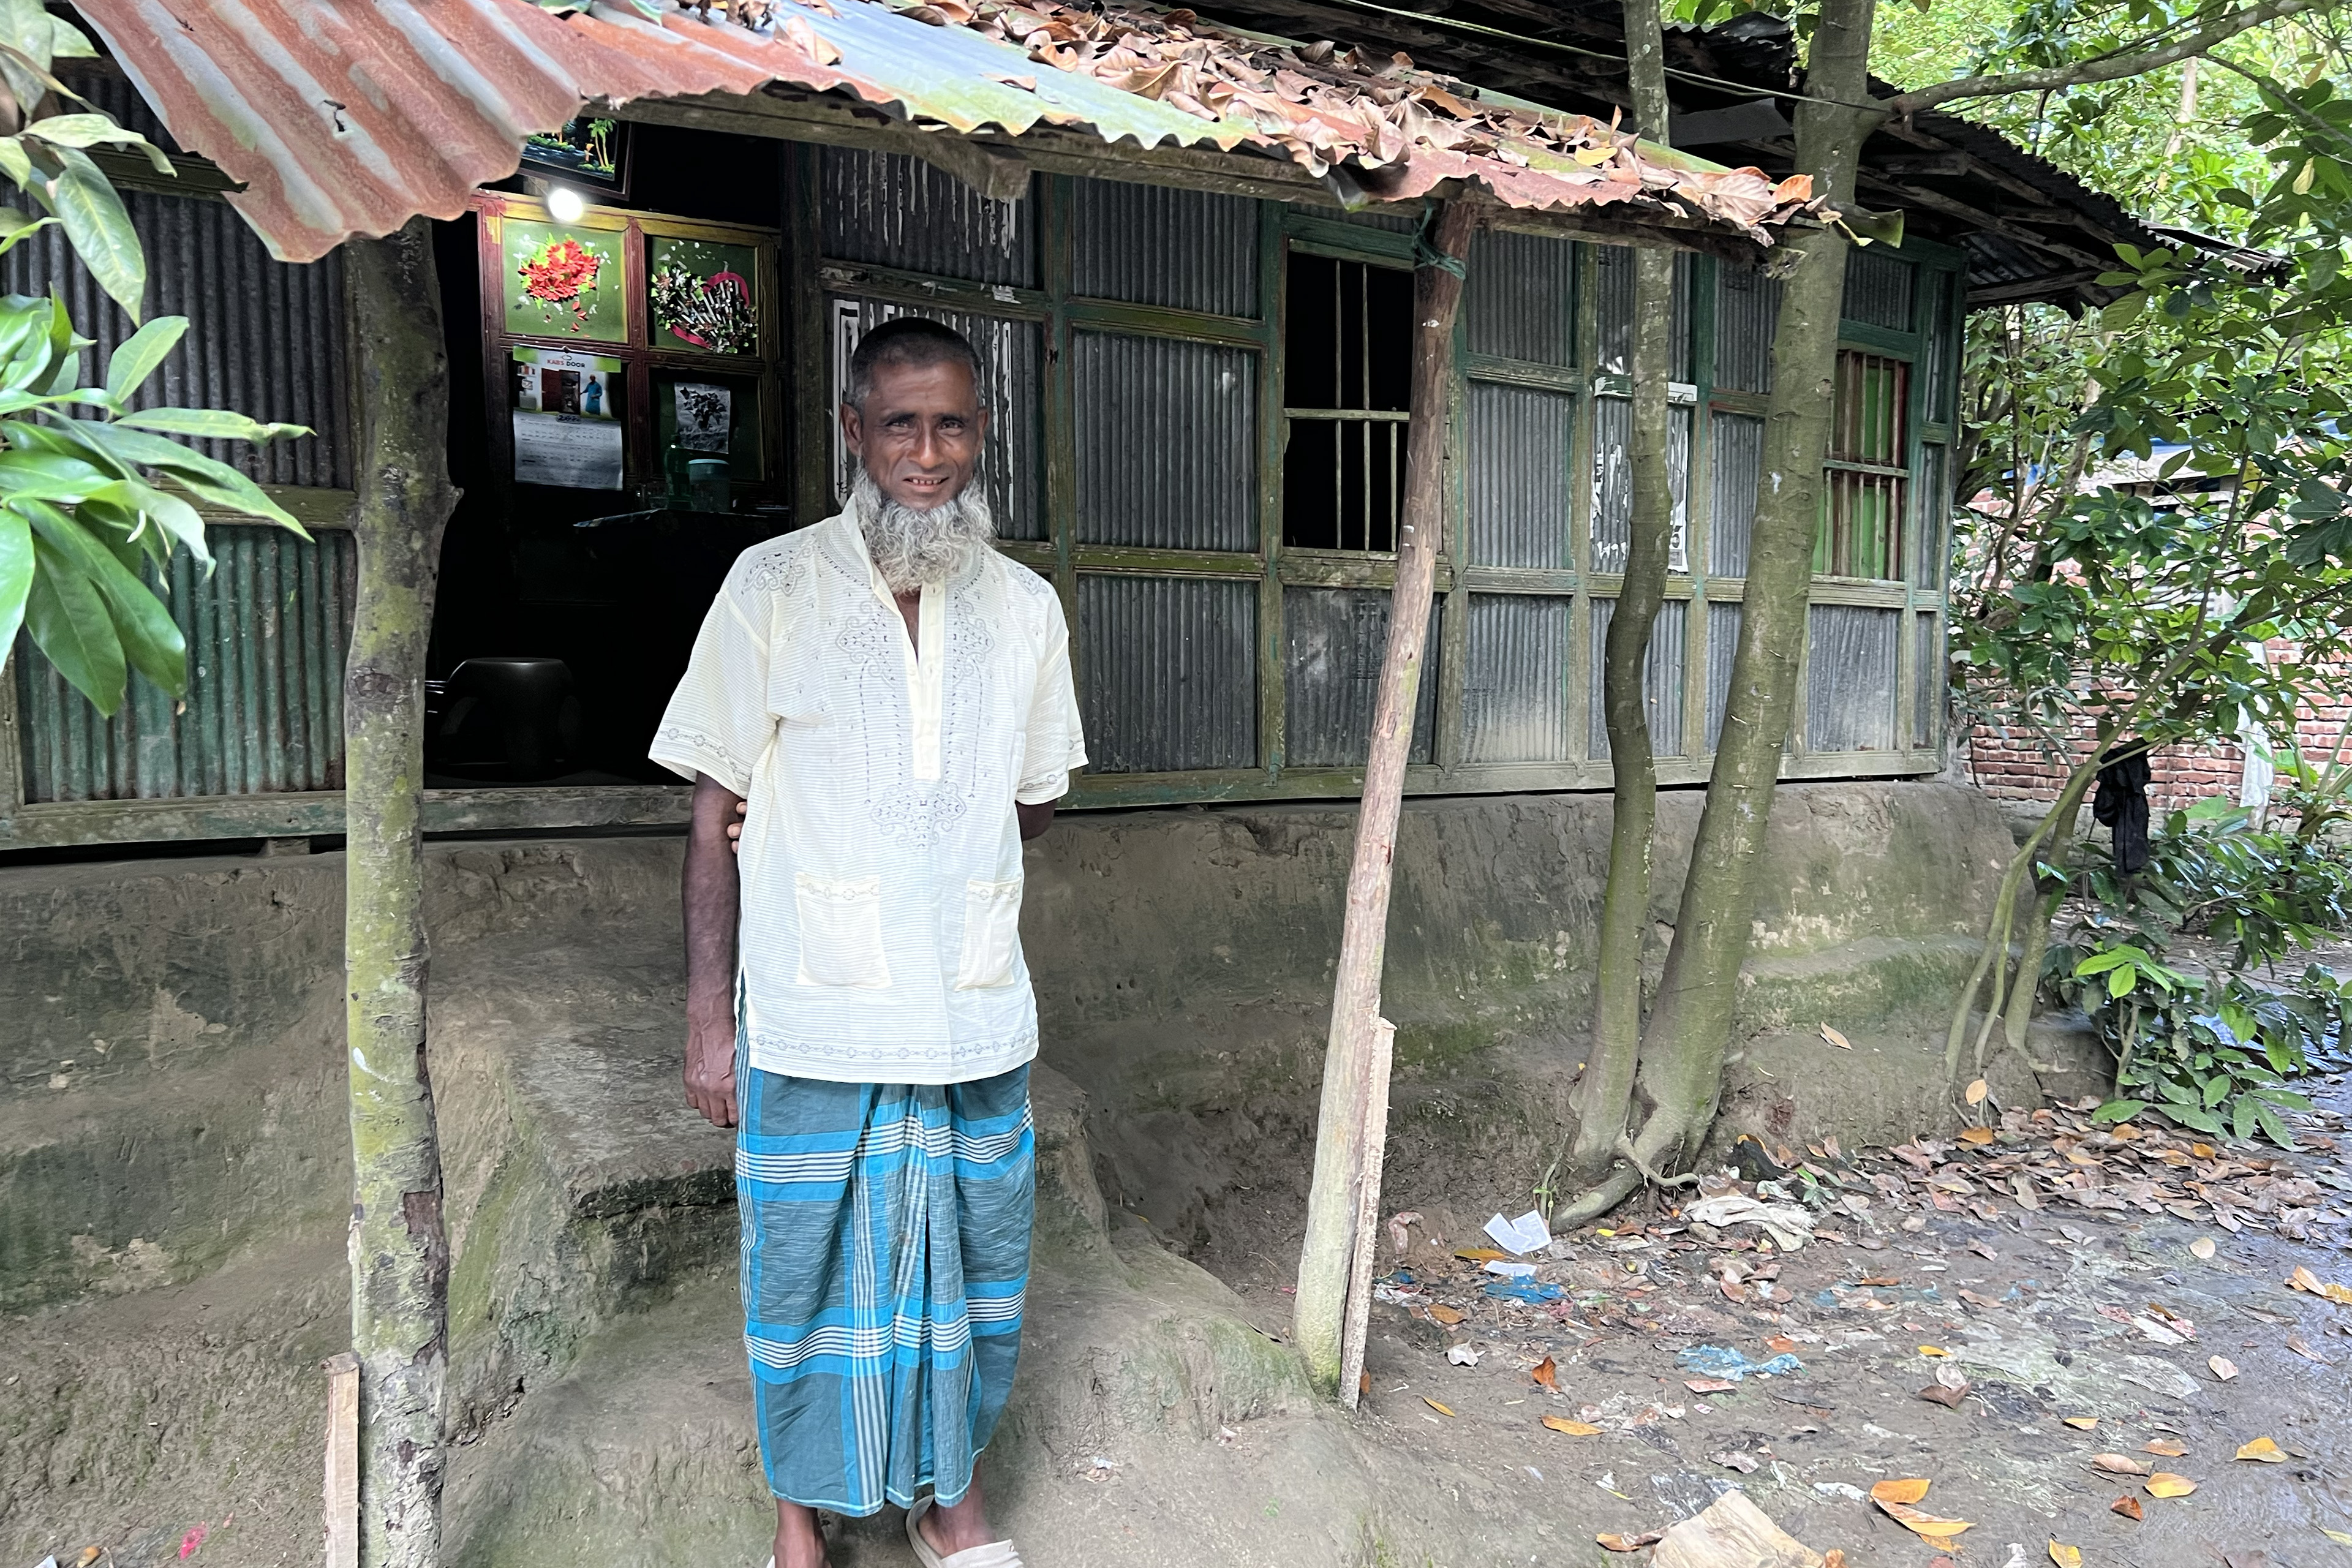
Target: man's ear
{"points": [[852, 425]]}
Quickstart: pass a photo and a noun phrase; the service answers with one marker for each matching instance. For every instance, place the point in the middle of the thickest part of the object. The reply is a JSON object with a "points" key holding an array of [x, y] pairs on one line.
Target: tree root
{"points": [[1612, 1189], [1625, 1150]]}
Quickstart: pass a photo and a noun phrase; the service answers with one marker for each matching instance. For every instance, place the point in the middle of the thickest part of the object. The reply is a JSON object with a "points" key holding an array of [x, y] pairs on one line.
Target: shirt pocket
{"points": [[841, 931], [991, 934]]}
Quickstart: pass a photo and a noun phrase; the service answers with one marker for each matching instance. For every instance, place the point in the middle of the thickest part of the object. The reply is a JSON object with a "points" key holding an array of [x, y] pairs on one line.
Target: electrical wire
{"points": [[1746, 89]]}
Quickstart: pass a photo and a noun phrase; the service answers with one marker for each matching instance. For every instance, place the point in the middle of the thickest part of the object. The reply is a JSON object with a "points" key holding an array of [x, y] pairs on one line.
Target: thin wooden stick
{"points": [[343, 1461], [1375, 1121], [1320, 1315]]}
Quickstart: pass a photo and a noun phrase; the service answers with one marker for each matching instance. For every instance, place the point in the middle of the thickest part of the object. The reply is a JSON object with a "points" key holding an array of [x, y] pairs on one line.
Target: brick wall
{"points": [[2016, 766]]}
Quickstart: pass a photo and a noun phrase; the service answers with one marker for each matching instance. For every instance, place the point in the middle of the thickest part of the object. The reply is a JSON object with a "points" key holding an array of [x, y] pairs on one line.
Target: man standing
{"points": [[888, 703]]}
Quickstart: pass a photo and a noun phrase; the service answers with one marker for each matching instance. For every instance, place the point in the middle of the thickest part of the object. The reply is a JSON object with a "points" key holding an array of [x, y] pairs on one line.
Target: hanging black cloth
{"points": [[2122, 804]]}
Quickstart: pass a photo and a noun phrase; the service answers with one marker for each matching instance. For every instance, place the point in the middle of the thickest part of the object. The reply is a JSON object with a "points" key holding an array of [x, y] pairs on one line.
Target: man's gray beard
{"points": [[912, 547]]}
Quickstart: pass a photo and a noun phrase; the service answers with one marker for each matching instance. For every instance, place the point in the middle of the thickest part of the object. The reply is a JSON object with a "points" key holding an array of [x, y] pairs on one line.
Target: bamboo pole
{"points": [[399, 1250], [343, 1499], [1344, 1123]]}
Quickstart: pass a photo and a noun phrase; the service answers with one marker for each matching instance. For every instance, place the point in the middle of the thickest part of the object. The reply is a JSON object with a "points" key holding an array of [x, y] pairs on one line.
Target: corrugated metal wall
{"points": [[1850, 678], [1936, 374], [1012, 356], [1878, 289], [1747, 314], [1515, 703], [1931, 506], [1334, 638], [1521, 440], [1722, 646], [1612, 478], [265, 635], [1613, 306], [1148, 245], [1166, 442], [1929, 680], [1168, 673], [1519, 301], [1738, 465], [264, 337], [1661, 678], [890, 210]]}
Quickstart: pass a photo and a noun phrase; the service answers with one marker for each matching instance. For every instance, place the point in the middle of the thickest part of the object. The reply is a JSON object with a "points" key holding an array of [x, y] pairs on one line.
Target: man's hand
{"points": [[710, 894], [735, 828], [710, 1068]]}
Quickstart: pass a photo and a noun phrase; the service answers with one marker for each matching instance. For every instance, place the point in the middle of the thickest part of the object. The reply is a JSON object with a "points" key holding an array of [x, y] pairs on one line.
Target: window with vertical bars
{"points": [[1347, 393], [1865, 501]]}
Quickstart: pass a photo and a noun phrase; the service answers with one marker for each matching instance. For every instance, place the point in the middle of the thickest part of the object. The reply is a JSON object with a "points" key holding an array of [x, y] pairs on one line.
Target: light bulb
{"points": [[564, 206]]}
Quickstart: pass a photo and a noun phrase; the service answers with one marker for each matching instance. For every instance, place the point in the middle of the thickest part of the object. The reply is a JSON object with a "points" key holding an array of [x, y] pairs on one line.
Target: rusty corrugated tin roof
{"points": [[347, 117]]}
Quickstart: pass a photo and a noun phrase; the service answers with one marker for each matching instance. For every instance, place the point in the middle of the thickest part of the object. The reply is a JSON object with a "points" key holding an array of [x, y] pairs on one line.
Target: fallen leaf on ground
{"points": [[2117, 1464], [1440, 1409], [1780, 1343], [1562, 1423], [1445, 1314], [1833, 1558], [1905, 1488], [2305, 1279], [2302, 1347], [2066, 1556], [2128, 1506], [2338, 1536], [2164, 1483], [1709, 1385], [2168, 1448], [2223, 1367], [1933, 1351], [1736, 1459], [1948, 1395], [2263, 1451], [1933, 1527], [1547, 1372], [1978, 1136], [2081, 1423], [1613, 1541], [1978, 1091], [1834, 1038], [2201, 1249]]}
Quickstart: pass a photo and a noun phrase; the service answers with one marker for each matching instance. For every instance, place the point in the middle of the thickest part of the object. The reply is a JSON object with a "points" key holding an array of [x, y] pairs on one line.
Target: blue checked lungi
{"points": [[885, 1251]]}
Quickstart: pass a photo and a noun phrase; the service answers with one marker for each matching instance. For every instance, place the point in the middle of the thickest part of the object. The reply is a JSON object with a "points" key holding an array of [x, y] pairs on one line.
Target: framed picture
{"points": [[564, 280], [589, 153], [703, 295]]}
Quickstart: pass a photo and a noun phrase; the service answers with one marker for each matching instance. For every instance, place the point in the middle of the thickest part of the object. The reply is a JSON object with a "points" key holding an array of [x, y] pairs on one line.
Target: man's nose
{"points": [[927, 453]]}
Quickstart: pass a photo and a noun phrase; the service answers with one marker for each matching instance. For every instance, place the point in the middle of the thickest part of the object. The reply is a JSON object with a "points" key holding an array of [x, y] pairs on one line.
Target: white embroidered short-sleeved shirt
{"points": [[880, 937]]}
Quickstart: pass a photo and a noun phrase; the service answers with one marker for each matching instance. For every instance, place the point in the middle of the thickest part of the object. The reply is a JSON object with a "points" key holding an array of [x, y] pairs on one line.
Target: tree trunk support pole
{"points": [[1347, 1120], [399, 1250]]}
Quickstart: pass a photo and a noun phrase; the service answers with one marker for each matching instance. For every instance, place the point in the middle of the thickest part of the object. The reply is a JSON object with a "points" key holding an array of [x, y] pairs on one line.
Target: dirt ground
{"points": [[2076, 1332]]}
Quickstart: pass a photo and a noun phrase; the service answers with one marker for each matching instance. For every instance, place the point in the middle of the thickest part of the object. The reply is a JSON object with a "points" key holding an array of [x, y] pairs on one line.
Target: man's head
{"points": [[913, 417]]}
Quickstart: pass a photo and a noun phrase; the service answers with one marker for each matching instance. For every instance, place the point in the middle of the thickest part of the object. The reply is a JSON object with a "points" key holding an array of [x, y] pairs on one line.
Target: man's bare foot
{"points": [[957, 1529], [799, 1543]]}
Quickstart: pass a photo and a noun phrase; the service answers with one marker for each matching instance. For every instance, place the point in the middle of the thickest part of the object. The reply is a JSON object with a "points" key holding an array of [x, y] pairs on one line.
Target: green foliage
{"points": [[93, 495], [2211, 1051]]}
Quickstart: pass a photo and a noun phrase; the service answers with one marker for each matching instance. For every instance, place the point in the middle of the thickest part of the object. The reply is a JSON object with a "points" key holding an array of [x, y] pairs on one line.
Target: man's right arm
{"points": [[712, 911]]}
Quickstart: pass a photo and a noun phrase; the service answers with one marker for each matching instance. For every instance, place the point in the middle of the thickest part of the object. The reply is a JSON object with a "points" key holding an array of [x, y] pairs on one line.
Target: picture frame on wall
{"points": [[591, 151]]}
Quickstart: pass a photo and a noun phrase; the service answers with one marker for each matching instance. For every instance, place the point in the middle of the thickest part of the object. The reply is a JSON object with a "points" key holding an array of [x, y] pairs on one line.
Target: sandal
{"points": [[995, 1554]]}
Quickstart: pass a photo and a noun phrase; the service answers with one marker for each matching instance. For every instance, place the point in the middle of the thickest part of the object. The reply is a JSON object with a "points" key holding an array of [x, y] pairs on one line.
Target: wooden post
{"points": [[399, 1250], [1374, 1117], [343, 1461], [1346, 1118]]}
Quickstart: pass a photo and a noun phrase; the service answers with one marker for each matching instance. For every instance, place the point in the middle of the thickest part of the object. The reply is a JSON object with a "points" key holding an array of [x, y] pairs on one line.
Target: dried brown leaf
{"points": [[1547, 1372], [2222, 1367], [2128, 1506], [2164, 1483], [2263, 1451], [1573, 1429], [1434, 1405], [1902, 1489], [2167, 1447], [2117, 1464], [1831, 1036]]}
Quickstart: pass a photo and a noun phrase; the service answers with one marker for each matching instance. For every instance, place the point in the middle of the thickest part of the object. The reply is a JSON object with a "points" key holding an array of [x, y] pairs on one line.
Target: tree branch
{"points": [[2112, 67]]}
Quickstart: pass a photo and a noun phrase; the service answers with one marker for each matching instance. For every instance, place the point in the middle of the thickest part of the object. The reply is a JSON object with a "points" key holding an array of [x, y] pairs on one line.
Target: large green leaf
{"points": [[210, 424], [142, 623], [86, 203], [17, 225], [69, 623], [15, 577], [169, 514], [202, 477], [136, 360]]}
